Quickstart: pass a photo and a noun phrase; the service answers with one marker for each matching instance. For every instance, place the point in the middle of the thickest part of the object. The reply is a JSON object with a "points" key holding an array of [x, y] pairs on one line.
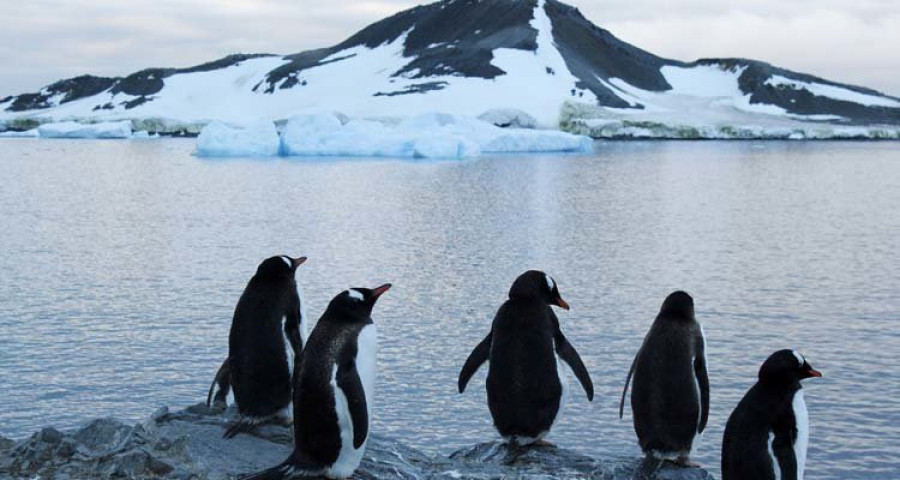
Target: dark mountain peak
{"points": [[451, 37]]}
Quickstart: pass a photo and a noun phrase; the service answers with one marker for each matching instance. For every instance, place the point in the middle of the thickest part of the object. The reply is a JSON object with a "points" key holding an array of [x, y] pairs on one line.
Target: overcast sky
{"points": [[853, 41]]}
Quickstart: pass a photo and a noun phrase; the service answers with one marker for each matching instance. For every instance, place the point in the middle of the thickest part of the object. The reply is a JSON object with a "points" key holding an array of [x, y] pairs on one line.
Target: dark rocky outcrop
{"points": [[801, 101], [140, 84], [591, 52], [70, 89], [188, 444]]}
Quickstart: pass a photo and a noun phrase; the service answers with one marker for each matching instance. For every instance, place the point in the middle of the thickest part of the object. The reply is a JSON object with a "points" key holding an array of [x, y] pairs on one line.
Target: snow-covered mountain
{"points": [[462, 57]]}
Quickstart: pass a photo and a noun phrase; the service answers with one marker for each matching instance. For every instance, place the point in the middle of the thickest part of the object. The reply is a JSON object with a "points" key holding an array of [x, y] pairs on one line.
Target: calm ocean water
{"points": [[122, 262]]}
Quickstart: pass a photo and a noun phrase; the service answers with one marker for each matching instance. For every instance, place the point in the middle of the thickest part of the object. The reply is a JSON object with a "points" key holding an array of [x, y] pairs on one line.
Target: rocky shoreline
{"points": [[188, 444]]}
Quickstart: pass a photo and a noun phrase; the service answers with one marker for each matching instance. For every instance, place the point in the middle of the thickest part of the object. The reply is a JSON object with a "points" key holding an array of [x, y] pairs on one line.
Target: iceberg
{"points": [[431, 135], [220, 139], [33, 133], [120, 129]]}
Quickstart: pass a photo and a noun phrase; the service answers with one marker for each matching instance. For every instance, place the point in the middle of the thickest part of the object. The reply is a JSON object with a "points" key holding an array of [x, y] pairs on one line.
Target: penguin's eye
{"points": [[356, 294], [550, 283], [288, 261], [799, 357]]}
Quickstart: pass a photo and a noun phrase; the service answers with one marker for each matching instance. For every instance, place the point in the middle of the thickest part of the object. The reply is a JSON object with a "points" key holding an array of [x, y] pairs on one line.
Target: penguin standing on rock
{"points": [[333, 391], [670, 396], [527, 381], [266, 336], [768, 432]]}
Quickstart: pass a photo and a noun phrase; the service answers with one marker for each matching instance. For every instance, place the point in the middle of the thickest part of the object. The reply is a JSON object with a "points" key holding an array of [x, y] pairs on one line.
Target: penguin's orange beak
{"points": [[814, 373], [562, 303], [298, 261], [380, 290]]}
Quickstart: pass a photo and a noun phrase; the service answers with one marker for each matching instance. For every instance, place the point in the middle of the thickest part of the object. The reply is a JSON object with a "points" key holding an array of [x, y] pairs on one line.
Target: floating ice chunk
{"points": [[430, 135], [83, 130], [33, 133], [252, 140]]}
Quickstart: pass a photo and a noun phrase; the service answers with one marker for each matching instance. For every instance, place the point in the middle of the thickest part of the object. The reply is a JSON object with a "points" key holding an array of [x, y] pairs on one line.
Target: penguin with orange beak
{"points": [[267, 334], [767, 434], [528, 358]]}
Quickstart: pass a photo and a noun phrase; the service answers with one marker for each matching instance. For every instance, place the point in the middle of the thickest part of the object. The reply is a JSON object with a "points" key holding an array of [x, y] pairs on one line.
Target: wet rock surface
{"points": [[188, 444]]}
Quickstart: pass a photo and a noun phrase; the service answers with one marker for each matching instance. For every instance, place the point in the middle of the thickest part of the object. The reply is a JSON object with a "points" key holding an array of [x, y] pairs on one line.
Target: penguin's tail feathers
{"points": [[292, 468]]}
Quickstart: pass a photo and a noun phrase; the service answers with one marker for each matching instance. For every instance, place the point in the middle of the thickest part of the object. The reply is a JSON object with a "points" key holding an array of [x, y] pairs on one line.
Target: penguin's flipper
{"points": [[349, 382], [223, 380], [703, 382], [478, 356], [291, 468], [567, 352], [627, 381], [783, 450], [292, 329]]}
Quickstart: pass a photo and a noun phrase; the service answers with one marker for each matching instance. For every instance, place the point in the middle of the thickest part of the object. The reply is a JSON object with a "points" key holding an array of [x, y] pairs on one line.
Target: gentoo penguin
{"points": [[527, 381], [768, 432], [333, 390], [266, 335], [670, 395]]}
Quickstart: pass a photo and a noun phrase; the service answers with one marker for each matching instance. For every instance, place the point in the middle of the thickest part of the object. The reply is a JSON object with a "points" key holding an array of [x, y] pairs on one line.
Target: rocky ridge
{"points": [[188, 444]]}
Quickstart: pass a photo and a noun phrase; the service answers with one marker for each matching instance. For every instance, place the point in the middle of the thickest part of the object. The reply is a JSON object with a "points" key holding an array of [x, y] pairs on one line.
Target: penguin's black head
{"points": [[537, 284], [678, 305], [786, 367], [357, 303], [281, 266]]}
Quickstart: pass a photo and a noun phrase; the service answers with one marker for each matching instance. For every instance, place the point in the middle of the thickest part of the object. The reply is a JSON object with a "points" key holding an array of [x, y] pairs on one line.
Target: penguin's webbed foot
{"points": [[685, 462], [238, 427]]}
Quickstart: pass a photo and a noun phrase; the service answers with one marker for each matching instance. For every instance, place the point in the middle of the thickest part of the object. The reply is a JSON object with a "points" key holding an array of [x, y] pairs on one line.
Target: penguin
{"points": [[528, 357], [267, 334], [767, 433], [670, 396], [333, 391]]}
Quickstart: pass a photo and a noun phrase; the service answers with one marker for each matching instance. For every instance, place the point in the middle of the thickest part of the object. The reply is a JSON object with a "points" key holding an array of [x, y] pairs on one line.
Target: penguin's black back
{"points": [[332, 342], [745, 446], [665, 398], [256, 349], [522, 384]]}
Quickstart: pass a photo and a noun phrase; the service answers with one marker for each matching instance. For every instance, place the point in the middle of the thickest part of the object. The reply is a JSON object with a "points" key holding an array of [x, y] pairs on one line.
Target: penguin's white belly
{"points": [[776, 467], [349, 458], [288, 350], [801, 419], [303, 324], [562, 371], [695, 440]]}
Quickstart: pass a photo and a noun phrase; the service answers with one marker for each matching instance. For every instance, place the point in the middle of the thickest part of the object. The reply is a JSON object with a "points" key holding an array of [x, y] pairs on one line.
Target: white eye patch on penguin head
{"points": [[799, 357], [356, 295]]}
